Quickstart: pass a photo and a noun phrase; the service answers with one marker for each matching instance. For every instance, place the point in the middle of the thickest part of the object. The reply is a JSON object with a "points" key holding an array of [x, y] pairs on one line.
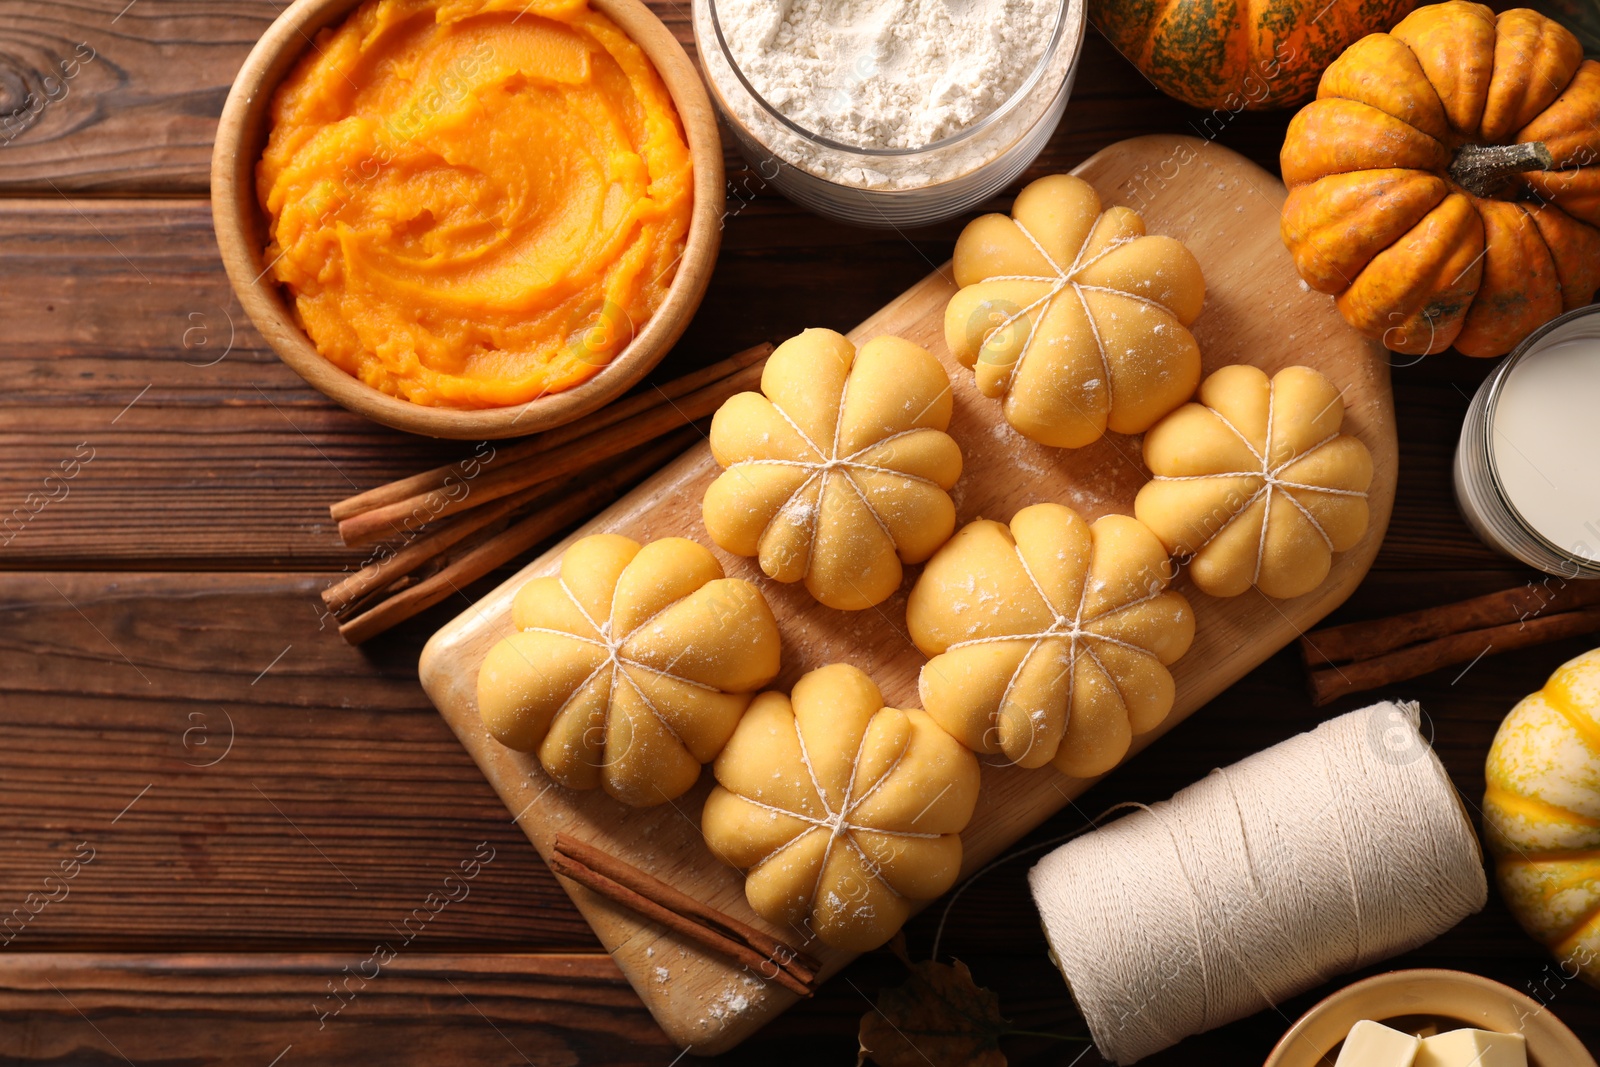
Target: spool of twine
{"points": [[1328, 852]]}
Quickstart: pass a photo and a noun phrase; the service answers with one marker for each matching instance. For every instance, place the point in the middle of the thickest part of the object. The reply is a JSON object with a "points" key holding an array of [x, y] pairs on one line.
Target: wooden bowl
{"points": [[1468, 999], [241, 227]]}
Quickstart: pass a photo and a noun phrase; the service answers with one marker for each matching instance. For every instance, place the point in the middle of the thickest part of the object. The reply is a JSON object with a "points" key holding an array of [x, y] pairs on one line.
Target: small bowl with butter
{"points": [[468, 218], [1429, 1018]]}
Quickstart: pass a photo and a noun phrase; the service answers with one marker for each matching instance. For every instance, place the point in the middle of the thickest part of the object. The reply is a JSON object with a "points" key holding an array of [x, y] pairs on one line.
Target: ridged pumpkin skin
{"points": [[1375, 217], [1238, 56], [1541, 813]]}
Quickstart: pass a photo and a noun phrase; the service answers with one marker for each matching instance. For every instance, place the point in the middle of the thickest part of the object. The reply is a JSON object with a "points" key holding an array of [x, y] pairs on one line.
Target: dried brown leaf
{"points": [[939, 1018]]}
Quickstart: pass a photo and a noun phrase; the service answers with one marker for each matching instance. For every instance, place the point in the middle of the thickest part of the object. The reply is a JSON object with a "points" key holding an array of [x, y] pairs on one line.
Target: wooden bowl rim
{"points": [[1469, 998], [240, 226]]}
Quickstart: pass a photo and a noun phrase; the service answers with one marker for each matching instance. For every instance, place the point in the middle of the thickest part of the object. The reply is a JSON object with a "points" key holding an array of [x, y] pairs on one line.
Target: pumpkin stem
{"points": [[1483, 170]]}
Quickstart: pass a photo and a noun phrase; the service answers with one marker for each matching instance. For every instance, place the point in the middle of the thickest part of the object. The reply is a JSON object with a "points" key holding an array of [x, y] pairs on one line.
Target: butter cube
{"points": [[1371, 1044], [1473, 1048]]}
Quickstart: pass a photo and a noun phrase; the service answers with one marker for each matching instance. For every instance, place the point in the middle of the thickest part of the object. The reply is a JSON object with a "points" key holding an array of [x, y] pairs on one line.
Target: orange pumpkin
{"points": [[1233, 56], [1442, 184]]}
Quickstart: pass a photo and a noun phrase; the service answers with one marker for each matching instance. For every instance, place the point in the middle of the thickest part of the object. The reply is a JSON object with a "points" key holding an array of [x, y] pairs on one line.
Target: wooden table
{"points": [[263, 804]]}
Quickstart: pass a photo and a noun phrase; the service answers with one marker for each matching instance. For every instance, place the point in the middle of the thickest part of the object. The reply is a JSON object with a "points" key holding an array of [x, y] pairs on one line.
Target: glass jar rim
{"points": [[1057, 35]]}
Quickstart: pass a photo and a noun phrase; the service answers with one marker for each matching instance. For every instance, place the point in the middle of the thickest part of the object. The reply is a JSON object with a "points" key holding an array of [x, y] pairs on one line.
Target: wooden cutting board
{"points": [[1257, 311]]}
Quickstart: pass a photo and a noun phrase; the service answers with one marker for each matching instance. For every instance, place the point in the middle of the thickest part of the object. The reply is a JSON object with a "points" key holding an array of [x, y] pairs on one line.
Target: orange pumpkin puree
{"points": [[473, 202]]}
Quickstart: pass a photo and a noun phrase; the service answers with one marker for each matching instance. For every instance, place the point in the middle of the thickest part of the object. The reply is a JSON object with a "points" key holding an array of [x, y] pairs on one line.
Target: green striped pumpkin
{"points": [[1541, 813], [1234, 55]]}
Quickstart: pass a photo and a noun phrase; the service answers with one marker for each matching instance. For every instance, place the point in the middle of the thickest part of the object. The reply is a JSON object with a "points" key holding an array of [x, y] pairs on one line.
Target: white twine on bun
{"points": [[1328, 852]]}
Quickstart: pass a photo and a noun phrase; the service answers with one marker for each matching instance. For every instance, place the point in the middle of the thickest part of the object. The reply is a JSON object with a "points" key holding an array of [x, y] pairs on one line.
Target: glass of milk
{"points": [[1527, 471]]}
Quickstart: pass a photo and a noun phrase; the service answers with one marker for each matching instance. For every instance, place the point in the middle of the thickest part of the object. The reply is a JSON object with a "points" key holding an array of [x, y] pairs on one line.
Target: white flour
{"points": [[887, 73]]}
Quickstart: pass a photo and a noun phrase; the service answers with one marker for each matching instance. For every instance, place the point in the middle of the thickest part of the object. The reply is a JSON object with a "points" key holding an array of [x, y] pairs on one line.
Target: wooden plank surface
{"points": [[452, 1007], [178, 398], [48, 817], [1225, 209], [139, 116], [107, 95], [244, 457], [243, 778], [214, 479]]}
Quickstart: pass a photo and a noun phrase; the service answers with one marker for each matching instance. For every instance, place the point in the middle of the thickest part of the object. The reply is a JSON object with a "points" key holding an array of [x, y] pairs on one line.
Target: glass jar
{"points": [[893, 187], [1505, 454]]}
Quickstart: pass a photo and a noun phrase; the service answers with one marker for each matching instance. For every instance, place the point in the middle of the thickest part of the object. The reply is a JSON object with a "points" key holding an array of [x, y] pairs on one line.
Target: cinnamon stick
{"points": [[710, 936], [704, 936], [619, 411], [797, 963], [566, 459], [1329, 683], [513, 541], [1364, 640], [356, 587]]}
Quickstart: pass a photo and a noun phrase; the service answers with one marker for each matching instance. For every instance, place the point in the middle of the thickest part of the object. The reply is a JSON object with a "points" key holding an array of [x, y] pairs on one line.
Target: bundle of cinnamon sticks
{"points": [[694, 920], [440, 530], [1369, 655]]}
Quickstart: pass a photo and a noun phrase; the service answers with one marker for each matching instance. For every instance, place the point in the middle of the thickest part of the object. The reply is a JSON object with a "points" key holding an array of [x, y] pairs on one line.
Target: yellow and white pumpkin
{"points": [[1541, 813]]}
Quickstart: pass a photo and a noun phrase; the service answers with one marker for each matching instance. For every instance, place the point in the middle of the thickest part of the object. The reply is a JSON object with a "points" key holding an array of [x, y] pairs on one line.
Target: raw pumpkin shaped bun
{"points": [[1072, 317], [631, 668], [1051, 638], [1541, 813], [1255, 483], [839, 470], [843, 813], [1402, 204]]}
